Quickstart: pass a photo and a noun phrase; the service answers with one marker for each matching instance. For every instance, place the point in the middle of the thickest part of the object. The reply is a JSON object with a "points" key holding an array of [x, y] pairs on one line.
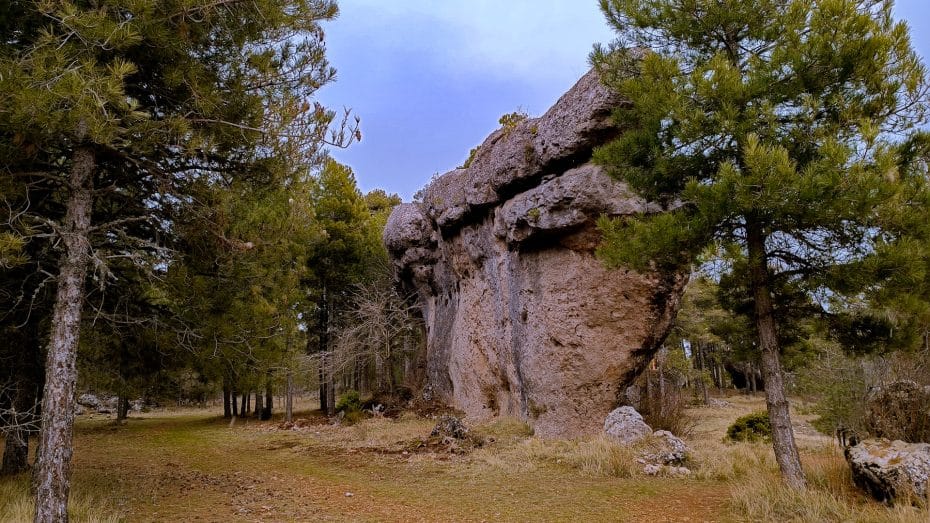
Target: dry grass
{"points": [[831, 496], [17, 504], [181, 465]]}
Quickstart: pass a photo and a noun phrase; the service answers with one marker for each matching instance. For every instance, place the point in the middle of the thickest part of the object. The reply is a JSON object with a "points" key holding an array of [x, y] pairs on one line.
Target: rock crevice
{"points": [[522, 319]]}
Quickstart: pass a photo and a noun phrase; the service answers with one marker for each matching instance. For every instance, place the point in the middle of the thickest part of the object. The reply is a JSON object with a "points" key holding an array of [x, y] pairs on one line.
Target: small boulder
{"points": [[891, 470], [659, 451], [90, 401], [665, 448], [626, 426], [450, 427]]}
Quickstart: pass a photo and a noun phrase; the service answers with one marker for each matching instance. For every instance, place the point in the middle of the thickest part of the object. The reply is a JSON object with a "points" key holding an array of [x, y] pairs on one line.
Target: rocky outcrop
{"points": [[522, 319], [891, 471]]}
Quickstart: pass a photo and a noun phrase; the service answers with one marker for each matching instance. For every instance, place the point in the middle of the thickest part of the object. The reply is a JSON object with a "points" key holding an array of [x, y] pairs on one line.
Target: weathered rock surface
{"points": [[522, 319], [891, 470], [666, 448], [626, 426], [658, 452]]}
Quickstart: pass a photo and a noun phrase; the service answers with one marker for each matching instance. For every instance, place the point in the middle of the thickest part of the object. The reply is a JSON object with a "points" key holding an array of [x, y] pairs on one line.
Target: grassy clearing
{"points": [[192, 465]]}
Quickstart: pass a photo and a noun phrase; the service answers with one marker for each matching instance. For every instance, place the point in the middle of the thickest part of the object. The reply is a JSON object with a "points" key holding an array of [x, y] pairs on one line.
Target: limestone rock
{"points": [[665, 448], [626, 426], [891, 470], [90, 401], [522, 319]]}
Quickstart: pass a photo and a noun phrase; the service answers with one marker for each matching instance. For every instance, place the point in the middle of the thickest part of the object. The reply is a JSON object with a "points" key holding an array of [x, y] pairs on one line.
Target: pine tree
{"points": [[338, 263], [767, 127], [132, 101]]}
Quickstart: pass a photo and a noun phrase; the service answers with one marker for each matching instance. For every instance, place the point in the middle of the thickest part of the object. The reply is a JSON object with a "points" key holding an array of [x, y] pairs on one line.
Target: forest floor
{"points": [[191, 465]]}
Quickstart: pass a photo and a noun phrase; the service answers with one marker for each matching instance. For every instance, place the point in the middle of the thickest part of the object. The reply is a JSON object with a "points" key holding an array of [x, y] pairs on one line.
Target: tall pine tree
{"points": [[766, 126], [132, 101]]}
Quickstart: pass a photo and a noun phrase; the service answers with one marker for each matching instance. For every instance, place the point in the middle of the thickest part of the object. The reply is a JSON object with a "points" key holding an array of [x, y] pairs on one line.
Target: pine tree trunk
{"points": [[323, 327], [258, 405], [227, 407], [289, 402], [122, 408], [701, 367], [53, 468], [234, 395], [330, 386], [786, 451], [269, 401]]}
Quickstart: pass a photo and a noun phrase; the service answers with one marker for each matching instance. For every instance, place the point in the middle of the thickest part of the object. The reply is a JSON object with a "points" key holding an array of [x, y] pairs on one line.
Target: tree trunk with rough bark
{"points": [[122, 408], [699, 359], [269, 401], [227, 407], [53, 466], [786, 450]]}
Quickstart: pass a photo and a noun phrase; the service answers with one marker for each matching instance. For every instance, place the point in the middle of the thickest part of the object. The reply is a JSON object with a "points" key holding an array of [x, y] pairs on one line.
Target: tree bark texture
{"points": [[53, 466], [786, 450]]}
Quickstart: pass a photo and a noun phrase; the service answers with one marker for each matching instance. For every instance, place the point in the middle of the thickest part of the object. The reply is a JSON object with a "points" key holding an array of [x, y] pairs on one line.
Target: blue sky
{"points": [[430, 78]]}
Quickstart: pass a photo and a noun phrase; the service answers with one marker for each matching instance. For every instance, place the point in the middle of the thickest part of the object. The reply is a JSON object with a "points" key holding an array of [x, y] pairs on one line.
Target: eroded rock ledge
{"points": [[522, 320]]}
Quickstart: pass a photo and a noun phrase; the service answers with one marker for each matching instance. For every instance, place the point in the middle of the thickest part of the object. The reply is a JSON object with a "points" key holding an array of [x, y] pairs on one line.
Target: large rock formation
{"points": [[522, 319]]}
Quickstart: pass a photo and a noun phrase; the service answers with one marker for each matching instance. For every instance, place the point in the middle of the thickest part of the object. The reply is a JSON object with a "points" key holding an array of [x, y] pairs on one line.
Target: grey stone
{"points": [[891, 470], [90, 401], [521, 317], [626, 426], [566, 202], [665, 448]]}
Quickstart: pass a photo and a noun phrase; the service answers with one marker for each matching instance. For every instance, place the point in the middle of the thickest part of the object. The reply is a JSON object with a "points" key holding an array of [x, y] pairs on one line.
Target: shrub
{"points": [[350, 401], [751, 427], [350, 404]]}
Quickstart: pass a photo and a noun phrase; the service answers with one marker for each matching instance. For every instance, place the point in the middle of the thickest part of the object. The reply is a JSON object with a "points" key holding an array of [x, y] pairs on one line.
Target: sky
{"points": [[430, 78]]}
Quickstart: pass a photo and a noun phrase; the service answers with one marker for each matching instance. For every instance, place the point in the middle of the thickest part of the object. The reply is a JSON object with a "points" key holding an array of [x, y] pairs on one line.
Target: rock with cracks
{"points": [[658, 452], [522, 319], [626, 426], [891, 471]]}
